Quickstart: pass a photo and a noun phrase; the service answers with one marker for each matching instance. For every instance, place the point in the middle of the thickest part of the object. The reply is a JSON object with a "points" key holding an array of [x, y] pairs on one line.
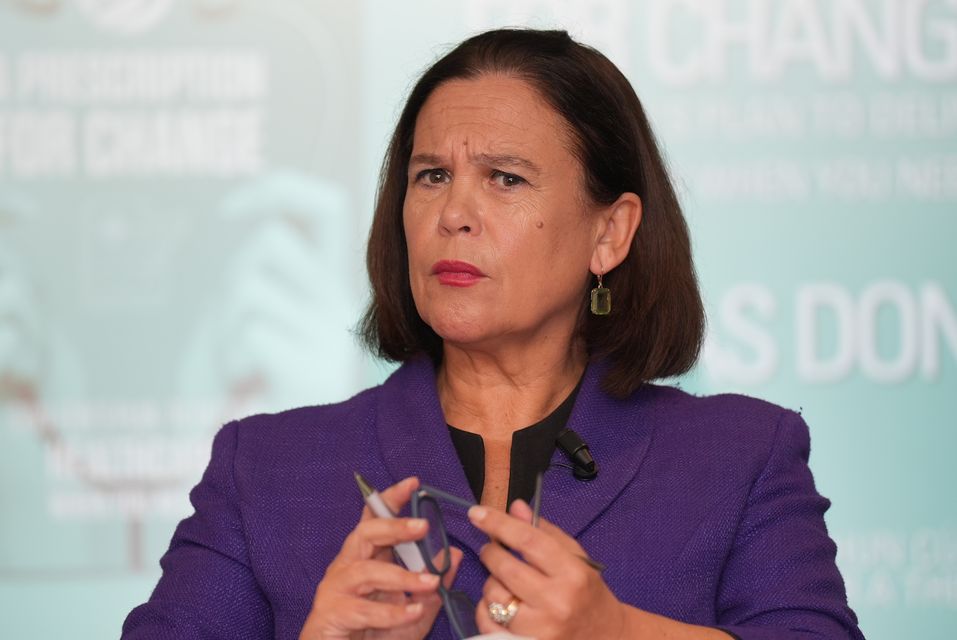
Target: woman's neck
{"points": [[494, 395]]}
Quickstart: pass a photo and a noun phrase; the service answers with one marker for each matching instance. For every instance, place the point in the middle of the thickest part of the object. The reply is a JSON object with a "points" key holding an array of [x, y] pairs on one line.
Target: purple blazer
{"points": [[704, 510]]}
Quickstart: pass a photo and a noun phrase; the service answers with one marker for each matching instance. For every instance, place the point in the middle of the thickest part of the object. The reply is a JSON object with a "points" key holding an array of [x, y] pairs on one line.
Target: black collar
{"points": [[531, 452]]}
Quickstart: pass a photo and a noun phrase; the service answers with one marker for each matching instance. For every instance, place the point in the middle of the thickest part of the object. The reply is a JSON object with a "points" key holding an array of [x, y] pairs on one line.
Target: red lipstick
{"points": [[456, 273]]}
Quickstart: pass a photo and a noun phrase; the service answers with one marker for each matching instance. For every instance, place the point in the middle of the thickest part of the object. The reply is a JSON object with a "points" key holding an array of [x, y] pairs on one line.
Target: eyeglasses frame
{"points": [[426, 492]]}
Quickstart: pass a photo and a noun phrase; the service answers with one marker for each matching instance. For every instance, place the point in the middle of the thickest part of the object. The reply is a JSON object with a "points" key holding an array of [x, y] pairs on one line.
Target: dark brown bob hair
{"points": [[657, 320]]}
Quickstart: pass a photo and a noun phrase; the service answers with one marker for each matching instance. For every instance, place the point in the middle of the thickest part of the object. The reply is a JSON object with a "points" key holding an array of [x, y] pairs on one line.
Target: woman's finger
{"points": [[523, 512], [367, 595], [376, 534], [495, 591], [369, 614], [537, 547], [453, 567], [367, 576], [383, 532], [398, 495], [520, 579]]}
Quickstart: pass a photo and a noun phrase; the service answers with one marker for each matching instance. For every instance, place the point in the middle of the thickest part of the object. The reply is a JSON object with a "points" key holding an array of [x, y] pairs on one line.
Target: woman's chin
{"points": [[462, 331], [462, 337]]}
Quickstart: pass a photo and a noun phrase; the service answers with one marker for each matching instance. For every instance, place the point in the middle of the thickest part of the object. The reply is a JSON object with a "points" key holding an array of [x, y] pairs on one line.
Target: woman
{"points": [[521, 175]]}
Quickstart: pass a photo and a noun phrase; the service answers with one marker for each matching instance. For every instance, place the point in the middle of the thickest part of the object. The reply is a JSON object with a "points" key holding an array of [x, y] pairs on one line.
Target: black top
{"points": [[530, 455]]}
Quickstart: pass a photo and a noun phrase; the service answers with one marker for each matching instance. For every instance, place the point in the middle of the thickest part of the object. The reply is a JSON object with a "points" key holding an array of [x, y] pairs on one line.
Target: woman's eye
{"points": [[507, 179], [432, 176]]}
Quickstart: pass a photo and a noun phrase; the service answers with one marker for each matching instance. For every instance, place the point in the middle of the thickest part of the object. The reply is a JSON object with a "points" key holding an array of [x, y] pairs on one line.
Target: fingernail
{"points": [[477, 513], [414, 608], [428, 578], [416, 524]]}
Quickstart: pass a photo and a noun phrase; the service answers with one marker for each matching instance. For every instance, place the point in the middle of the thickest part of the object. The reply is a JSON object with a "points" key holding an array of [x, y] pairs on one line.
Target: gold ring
{"points": [[503, 613]]}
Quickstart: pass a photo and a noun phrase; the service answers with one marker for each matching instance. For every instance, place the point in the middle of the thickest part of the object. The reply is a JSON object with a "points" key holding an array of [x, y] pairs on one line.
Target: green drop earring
{"points": [[600, 299]]}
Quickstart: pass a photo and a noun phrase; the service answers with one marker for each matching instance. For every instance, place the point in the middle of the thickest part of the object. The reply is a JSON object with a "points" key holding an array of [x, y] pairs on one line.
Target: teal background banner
{"points": [[186, 186]]}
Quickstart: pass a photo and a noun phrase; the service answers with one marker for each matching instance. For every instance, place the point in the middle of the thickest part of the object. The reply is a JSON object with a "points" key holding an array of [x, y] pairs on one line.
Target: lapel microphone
{"points": [[583, 465]]}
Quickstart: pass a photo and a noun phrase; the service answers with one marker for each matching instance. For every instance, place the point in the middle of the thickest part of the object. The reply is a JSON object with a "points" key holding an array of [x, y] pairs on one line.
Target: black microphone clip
{"points": [[584, 466]]}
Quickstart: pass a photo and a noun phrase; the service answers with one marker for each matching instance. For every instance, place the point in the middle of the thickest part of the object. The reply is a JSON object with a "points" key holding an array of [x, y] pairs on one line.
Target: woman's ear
{"points": [[619, 222]]}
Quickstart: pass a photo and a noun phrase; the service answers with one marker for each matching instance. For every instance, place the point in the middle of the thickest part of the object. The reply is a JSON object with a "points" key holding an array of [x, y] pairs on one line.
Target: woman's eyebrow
{"points": [[506, 160], [426, 158], [485, 159]]}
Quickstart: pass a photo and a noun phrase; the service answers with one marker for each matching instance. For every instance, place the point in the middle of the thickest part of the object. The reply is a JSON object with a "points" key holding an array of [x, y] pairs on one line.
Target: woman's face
{"points": [[499, 230]]}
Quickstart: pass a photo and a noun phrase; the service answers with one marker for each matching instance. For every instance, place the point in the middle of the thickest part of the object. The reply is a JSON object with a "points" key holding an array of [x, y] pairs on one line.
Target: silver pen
{"points": [[407, 552]]}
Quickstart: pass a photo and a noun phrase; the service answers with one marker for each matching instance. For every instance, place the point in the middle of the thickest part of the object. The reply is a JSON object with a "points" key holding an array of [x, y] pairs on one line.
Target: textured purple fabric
{"points": [[704, 510]]}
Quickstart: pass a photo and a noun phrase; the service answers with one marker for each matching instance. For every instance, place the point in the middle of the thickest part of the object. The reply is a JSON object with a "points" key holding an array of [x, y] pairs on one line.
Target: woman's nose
{"points": [[460, 214]]}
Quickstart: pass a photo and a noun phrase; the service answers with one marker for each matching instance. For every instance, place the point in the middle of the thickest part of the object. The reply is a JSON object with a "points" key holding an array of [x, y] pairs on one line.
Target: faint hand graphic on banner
{"points": [[278, 333], [37, 364], [274, 333]]}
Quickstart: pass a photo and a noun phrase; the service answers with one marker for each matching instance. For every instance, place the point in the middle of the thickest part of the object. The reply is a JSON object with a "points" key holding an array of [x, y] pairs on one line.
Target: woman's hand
{"points": [[559, 595], [363, 593]]}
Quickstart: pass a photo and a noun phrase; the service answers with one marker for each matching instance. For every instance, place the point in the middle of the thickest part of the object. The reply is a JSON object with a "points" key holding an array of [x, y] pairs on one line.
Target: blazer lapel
{"points": [[618, 434], [414, 440]]}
